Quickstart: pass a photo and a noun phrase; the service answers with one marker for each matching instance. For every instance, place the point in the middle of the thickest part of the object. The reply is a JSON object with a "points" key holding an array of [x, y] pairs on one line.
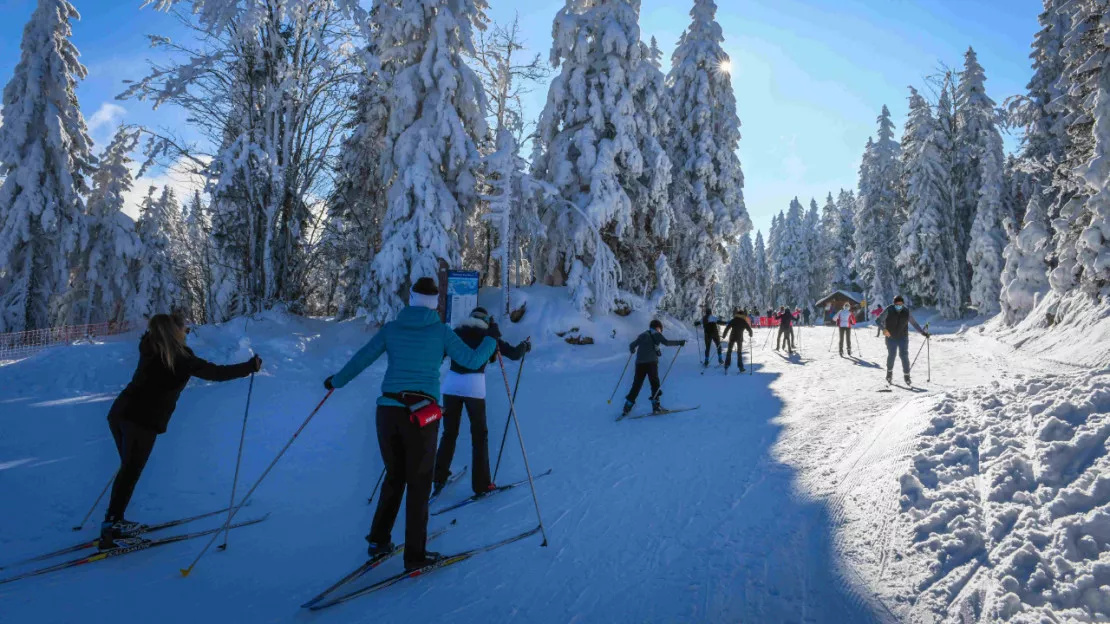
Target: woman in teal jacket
{"points": [[416, 343]]}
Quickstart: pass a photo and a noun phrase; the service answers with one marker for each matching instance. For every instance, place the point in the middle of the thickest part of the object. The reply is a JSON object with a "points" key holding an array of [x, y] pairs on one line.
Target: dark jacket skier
{"points": [[466, 387], [143, 410], [646, 348], [785, 336], [734, 333], [711, 327], [894, 323]]}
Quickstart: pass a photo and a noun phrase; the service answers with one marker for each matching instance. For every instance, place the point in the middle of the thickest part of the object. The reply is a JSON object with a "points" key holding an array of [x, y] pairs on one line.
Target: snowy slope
{"points": [[775, 502]]}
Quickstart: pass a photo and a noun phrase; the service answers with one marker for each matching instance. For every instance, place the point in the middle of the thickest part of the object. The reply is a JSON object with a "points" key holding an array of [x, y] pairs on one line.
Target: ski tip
{"points": [[221, 547], [454, 521], [544, 544], [185, 572], [75, 529]]}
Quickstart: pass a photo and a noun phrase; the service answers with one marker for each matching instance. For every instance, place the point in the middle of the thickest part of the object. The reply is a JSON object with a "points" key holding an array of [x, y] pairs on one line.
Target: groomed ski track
{"points": [[772, 503]]}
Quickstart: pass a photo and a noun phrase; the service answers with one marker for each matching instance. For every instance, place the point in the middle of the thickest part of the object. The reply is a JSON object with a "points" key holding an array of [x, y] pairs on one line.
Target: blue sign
{"points": [[462, 295]]}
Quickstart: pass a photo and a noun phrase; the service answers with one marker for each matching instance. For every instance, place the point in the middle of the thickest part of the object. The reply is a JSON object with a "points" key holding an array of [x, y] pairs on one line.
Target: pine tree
{"points": [[843, 270], [45, 154], [158, 289], [761, 280], [708, 181], [1026, 277], [813, 255], [948, 145], [980, 199], [104, 289], [927, 258], [436, 120], [792, 257], [774, 261], [197, 231], [875, 238], [829, 252]]}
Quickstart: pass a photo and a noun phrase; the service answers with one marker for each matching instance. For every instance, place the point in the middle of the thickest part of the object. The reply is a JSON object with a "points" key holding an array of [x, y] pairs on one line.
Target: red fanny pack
{"points": [[423, 409]]}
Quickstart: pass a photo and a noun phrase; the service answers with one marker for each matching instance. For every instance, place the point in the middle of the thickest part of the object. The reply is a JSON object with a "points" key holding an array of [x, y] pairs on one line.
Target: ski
{"points": [[366, 567], [677, 410], [439, 565], [453, 477], [485, 495], [93, 543], [115, 552]]}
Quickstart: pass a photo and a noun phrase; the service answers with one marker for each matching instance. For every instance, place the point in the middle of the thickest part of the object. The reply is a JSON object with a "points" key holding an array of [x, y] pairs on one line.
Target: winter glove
{"points": [[682, 343], [926, 334], [631, 348], [327, 384], [526, 345], [257, 361], [697, 323], [494, 331]]}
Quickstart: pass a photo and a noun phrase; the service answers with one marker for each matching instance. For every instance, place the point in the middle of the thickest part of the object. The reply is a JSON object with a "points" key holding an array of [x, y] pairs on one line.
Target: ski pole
{"points": [[93, 508], [376, 486], [504, 436], [669, 367], [751, 356], [698, 339], [238, 460], [770, 330], [920, 349], [520, 436], [610, 401], [832, 339], [929, 357], [185, 571]]}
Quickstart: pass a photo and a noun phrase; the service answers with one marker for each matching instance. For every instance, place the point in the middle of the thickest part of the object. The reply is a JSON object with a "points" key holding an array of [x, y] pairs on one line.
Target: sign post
{"points": [[462, 295]]}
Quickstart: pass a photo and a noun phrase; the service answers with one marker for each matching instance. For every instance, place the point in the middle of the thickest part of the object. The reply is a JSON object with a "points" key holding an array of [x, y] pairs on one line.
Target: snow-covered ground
{"points": [[791, 496]]}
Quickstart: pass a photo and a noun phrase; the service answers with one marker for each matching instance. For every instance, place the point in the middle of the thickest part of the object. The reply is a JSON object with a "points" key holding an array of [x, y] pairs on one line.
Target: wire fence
{"points": [[21, 344]]}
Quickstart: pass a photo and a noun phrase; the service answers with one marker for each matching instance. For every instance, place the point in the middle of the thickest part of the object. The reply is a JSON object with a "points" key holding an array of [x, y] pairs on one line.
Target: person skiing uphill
{"points": [[646, 348], [466, 387], [710, 326], [734, 334], [415, 343], [786, 328], [845, 320], [875, 314], [142, 412], [805, 315], [895, 322]]}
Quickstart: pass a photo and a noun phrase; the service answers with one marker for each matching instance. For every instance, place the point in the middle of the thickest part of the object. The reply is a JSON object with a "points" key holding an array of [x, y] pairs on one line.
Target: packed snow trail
{"points": [[754, 508]]}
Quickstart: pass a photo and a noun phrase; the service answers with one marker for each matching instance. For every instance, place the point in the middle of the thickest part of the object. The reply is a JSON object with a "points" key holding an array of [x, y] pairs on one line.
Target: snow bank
{"points": [[1009, 501], [1079, 335]]}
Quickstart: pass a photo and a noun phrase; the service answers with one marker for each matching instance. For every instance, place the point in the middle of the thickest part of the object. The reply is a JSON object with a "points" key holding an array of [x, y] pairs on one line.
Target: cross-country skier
{"points": [[734, 334], [895, 322], [466, 387], [875, 314], [805, 315], [143, 410], [646, 348], [710, 327], [415, 343], [845, 320], [786, 329]]}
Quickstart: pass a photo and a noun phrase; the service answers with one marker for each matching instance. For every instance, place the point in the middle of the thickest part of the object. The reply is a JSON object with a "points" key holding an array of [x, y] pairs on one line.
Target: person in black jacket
{"points": [[786, 329], [734, 334], [464, 387], [143, 410], [646, 348], [710, 325], [895, 323]]}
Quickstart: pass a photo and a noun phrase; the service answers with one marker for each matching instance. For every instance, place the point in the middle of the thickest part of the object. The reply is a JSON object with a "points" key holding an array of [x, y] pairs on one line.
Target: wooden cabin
{"points": [[833, 303]]}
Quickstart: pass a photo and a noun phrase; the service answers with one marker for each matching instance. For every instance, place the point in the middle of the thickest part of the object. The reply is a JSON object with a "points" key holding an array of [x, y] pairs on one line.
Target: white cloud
{"points": [[177, 176], [108, 114]]}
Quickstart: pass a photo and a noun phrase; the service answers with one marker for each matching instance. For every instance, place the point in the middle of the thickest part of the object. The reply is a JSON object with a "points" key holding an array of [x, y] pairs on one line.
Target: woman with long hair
{"points": [[142, 411]]}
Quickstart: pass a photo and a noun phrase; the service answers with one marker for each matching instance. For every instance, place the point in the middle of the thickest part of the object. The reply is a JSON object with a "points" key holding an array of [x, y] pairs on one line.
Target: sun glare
{"points": [[726, 67]]}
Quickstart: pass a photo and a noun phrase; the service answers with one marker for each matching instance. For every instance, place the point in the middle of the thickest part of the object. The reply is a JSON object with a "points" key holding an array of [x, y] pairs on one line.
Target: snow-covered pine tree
{"points": [[980, 200], [827, 262], [708, 181], [761, 278], [436, 119], [843, 274], [655, 55], [45, 154], [927, 257], [104, 286], [774, 262], [813, 255], [158, 288], [792, 257], [197, 231], [948, 144], [741, 274], [597, 144], [875, 239], [1026, 278]]}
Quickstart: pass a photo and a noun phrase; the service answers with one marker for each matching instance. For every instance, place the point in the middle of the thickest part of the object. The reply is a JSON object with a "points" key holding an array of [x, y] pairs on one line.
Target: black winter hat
{"points": [[899, 299], [656, 324], [425, 286]]}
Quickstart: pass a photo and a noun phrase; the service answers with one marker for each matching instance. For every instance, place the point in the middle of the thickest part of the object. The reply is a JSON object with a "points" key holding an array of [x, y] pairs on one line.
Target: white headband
{"points": [[424, 301]]}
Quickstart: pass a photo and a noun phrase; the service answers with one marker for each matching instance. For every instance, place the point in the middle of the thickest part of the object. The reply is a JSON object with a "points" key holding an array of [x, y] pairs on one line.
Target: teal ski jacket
{"points": [[416, 343]]}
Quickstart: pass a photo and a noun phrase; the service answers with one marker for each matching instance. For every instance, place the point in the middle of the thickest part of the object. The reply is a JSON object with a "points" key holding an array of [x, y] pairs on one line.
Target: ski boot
{"points": [[705, 364], [119, 534], [890, 377], [908, 382], [377, 550], [720, 360], [656, 406], [430, 558], [627, 407], [437, 487]]}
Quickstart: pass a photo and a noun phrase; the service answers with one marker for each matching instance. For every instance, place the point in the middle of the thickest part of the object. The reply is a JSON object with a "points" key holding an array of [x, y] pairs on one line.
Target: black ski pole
{"points": [[238, 461], [929, 357], [376, 486], [658, 393], [751, 356], [523, 453], [920, 349], [93, 508], [832, 338], [610, 401], [698, 339], [509, 418], [859, 344]]}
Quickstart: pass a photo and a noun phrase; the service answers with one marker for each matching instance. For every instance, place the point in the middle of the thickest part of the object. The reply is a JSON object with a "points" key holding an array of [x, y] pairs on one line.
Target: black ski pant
{"points": [[133, 443], [786, 337], [650, 371], [716, 339], [898, 347], [409, 453], [739, 344], [479, 440], [845, 335]]}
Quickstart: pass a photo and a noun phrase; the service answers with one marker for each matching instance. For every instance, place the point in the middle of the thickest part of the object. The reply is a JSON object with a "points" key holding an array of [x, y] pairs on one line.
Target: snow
{"points": [[778, 500]]}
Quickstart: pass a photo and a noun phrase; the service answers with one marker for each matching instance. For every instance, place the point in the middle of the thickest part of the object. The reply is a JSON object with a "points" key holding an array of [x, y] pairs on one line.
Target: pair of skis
{"points": [[116, 552], [322, 601]]}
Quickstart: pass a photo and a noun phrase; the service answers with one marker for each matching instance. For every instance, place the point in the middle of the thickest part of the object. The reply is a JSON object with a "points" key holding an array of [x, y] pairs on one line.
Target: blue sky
{"points": [[810, 75]]}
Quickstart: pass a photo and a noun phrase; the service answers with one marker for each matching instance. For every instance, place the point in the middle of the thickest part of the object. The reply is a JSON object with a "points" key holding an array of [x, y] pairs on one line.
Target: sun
{"points": [[726, 66]]}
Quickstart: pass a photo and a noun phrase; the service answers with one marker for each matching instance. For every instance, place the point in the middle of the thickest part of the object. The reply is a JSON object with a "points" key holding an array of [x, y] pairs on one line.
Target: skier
{"points": [[466, 387], [646, 348], [786, 329], [710, 326], [143, 410], [734, 334], [895, 322], [845, 320], [875, 314], [805, 315], [407, 422]]}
